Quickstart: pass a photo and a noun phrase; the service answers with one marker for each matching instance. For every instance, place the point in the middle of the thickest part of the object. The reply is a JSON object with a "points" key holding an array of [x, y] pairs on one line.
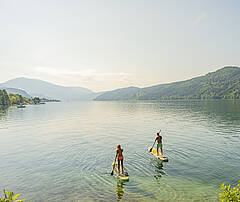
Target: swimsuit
{"points": [[120, 157]]}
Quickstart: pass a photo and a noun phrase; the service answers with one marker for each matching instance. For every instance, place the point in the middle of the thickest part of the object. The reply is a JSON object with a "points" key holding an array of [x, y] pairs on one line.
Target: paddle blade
{"points": [[150, 150], [112, 172]]}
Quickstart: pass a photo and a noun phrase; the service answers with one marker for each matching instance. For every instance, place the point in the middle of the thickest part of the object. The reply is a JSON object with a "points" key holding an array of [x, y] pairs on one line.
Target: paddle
{"points": [[154, 143], [113, 165], [152, 146]]}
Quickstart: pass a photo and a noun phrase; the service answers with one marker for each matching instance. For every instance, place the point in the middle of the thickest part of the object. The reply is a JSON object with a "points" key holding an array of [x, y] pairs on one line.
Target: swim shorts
{"points": [[159, 145]]}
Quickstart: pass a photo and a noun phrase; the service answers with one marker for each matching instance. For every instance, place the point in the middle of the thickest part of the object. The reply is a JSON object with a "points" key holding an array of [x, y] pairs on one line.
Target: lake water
{"points": [[64, 151]]}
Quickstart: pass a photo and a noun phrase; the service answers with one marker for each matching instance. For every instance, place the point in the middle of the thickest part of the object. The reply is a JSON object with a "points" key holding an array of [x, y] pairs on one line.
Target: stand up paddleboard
{"points": [[123, 176], [154, 153]]}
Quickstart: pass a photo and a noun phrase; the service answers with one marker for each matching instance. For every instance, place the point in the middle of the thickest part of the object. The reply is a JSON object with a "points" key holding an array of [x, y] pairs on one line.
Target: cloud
{"points": [[200, 18], [88, 77], [81, 74]]}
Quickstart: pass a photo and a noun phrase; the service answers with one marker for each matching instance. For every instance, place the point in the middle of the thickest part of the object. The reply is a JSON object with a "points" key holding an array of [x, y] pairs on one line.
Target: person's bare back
{"points": [[159, 139], [159, 143]]}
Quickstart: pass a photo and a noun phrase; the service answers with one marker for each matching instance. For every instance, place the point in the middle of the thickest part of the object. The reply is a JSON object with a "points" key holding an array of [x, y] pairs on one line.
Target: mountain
{"points": [[221, 84], [48, 90], [119, 94]]}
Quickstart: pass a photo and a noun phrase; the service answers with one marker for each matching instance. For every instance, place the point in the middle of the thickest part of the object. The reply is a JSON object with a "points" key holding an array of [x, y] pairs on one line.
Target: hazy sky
{"points": [[107, 44]]}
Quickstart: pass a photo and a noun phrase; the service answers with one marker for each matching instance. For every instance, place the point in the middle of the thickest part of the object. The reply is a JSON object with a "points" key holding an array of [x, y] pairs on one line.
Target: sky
{"points": [[108, 44]]}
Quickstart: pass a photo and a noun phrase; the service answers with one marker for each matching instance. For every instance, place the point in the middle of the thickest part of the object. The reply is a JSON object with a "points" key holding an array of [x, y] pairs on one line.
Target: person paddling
{"points": [[119, 156], [159, 143]]}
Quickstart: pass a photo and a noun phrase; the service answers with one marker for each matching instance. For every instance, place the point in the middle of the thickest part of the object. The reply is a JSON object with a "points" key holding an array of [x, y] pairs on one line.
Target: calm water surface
{"points": [[64, 151]]}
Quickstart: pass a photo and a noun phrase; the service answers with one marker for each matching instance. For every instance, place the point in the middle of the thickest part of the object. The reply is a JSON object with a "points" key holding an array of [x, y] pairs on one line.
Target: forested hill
{"points": [[120, 94], [222, 84], [12, 99]]}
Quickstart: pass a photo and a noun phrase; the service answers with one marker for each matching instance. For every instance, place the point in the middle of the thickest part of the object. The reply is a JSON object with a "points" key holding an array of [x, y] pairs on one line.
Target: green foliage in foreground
{"points": [[230, 193], [10, 197]]}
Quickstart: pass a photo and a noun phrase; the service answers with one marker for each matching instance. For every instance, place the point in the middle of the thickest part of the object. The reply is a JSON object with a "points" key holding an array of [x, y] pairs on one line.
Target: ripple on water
{"points": [[64, 151]]}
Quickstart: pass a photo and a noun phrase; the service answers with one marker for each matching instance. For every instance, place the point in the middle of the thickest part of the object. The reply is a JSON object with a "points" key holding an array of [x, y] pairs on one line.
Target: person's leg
{"points": [[122, 165], [118, 165], [161, 149], [157, 148]]}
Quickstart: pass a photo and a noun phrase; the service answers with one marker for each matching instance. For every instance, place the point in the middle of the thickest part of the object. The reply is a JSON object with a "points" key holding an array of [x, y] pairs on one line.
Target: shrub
{"points": [[10, 197], [230, 193]]}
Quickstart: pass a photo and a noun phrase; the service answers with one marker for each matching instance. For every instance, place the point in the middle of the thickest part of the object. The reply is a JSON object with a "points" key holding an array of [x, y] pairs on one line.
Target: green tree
{"points": [[4, 98], [18, 99], [36, 100]]}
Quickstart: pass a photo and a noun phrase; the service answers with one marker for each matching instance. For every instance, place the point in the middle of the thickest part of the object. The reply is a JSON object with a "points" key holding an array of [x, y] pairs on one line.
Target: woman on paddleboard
{"points": [[119, 155]]}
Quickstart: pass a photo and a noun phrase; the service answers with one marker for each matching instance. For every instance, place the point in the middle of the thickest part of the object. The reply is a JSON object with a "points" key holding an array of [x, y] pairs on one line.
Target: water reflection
{"points": [[120, 190], [212, 110], [3, 114], [3, 110], [159, 170]]}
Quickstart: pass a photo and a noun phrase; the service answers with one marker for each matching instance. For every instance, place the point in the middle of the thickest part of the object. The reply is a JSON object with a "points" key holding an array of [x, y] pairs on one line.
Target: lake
{"points": [[64, 151]]}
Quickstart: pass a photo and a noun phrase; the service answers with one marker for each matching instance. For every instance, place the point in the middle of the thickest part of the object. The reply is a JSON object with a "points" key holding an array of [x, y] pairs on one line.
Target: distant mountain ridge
{"points": [[221, 84], [120, 94], [16, 91], [39, 88]]}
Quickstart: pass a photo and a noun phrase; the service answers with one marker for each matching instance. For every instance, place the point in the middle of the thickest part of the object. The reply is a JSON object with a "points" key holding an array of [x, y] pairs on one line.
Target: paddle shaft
{"points": [[154, 142], [152, 146], [114, 165]]}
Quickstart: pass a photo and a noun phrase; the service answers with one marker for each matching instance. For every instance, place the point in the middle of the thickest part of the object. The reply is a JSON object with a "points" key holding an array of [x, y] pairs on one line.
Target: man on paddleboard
{"points": [[159, 143]]}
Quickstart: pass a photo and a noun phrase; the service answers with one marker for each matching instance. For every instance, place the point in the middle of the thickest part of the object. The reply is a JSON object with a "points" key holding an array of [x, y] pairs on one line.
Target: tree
{"points": [[36, 100], [4, 98]]}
